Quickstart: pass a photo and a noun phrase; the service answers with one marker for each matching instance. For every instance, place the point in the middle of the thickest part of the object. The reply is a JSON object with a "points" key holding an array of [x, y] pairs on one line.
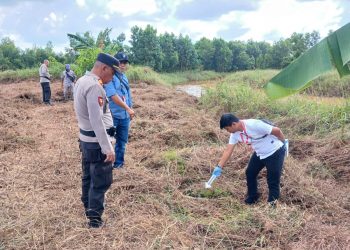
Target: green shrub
{"points": [[299, 113], [190, 76], [85, 60], [138, 74]]}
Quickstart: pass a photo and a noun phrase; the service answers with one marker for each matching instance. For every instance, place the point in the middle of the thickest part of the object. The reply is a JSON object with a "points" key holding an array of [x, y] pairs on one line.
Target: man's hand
{"points": [[110, 157], [217, 171], [131, 113]]}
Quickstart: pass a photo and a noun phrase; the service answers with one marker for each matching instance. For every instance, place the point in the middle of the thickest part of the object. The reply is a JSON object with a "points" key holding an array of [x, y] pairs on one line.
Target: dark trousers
{"points": [[46, 91], [274, 165], [96, 179]]}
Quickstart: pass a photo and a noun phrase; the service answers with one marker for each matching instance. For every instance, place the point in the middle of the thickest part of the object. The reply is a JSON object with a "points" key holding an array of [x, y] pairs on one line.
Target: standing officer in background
{"points": [[119, 94], [68, 78], [97, 151], [45, 82]]}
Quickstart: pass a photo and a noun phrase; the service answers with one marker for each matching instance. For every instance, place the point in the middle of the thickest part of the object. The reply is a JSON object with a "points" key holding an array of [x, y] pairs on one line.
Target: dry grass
{"points": [[172, 149]]}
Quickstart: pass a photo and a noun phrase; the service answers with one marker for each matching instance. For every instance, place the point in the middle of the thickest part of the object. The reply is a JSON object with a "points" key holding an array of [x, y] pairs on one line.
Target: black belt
{"points": [[111, 131]]}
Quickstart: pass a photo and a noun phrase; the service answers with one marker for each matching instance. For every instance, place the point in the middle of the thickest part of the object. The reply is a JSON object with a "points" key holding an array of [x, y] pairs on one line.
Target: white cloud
{"points": [[2, 15], [54, 20], [90, 17], [196, 29], [18, 40], [209, 29], [128, 8], [106, 16], [288, 16], [53, 16], [60, 47], [80, 3]]}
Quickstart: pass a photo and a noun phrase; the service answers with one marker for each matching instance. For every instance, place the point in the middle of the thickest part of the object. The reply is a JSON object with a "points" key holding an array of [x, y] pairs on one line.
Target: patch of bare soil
{"points": [[158, 200]]}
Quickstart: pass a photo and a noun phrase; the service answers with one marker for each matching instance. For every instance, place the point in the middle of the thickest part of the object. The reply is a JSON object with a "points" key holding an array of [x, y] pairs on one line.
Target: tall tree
{"points": [[205, 51], [188, 58], [281, 54], [253, 51], [10, 55], [146, 48], [240, 59], [171, 56], [222, 55]]}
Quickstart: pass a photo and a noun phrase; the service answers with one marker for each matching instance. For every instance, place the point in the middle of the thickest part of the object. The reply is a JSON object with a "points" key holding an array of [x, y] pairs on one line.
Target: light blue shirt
{"points": [[119, 86]]}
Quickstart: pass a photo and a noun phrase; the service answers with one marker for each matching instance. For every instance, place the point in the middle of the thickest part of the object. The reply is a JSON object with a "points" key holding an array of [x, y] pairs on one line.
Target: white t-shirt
{"points": [[254, 135]]}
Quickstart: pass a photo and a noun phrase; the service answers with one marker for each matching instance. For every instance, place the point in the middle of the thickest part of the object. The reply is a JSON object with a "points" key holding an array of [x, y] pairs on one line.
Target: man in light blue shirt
{"points": [[120, 103]]}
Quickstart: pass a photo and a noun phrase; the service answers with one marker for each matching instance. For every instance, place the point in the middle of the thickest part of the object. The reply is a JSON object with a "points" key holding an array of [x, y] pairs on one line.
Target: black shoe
{"points": [[250, 200], [95, 223]]}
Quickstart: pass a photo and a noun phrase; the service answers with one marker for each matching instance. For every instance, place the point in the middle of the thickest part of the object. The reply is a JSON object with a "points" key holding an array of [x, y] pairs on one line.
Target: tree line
{"points": [[165, 52]]}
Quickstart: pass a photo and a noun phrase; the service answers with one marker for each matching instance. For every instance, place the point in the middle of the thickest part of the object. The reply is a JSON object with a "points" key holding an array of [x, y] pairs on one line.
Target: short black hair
{"points": [[227, 120]]}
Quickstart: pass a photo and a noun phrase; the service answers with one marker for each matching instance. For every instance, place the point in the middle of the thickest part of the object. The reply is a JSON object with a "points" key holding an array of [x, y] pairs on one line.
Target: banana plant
{"points": [[86, 41], [331, 52]]}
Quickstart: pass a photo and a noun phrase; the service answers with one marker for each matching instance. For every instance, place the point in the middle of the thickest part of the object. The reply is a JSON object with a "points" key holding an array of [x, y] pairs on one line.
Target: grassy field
{"points": [[158, 200]]}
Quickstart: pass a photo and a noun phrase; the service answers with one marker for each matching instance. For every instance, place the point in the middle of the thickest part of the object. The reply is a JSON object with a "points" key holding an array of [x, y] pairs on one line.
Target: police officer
{"points": [[97, 151], [45, 79]]}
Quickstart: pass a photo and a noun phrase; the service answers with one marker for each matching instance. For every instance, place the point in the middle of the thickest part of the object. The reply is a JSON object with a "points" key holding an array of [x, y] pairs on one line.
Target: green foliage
{"points": [[18, 75], [330, 85], [332, 52], [138, 74], [165, 52], [55, 68], [188, 58], [190, 76], [211, 193], [171, 56], [303, 115], [222, 56], [86, 59], [205, 51], [253, 78], [146, 48], [172, 156], [103, 41]]}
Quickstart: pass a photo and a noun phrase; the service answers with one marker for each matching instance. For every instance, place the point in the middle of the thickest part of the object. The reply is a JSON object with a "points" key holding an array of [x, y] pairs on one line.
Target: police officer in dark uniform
{"points": [[95, 144]]}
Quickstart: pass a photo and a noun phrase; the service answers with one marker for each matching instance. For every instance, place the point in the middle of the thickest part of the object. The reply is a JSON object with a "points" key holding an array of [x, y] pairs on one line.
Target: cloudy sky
{"points": [[35, 22]]}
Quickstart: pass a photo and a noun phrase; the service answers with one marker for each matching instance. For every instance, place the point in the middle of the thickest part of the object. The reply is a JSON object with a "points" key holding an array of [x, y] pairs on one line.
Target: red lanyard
{"points": [[245, 133]]}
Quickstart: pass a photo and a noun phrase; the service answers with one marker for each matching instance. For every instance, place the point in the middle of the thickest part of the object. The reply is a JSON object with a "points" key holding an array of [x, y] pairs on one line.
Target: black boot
{"points": [[95, 222], [250, 200]]}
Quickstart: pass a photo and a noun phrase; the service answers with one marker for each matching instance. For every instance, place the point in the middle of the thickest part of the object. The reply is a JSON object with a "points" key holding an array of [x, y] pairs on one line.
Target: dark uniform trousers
{"points": [[46, 91], [96, 179], [274, 165]]}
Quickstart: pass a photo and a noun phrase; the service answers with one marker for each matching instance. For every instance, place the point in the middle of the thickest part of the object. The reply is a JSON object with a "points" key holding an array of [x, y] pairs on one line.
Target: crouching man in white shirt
{"points": [[268, 144]]}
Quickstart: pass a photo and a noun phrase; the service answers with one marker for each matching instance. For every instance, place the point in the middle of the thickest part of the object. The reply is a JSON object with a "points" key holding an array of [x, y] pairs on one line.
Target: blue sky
{"points": [[35, 22]]}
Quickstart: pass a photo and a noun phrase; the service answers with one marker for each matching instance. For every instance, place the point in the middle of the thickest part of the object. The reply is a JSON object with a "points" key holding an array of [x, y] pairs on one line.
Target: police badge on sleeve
{"points": [[100, 101]]}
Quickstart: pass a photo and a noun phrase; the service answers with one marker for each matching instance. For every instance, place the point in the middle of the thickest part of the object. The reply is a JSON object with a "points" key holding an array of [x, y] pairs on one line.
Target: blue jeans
{"points": [[121, 136], [274, 166]]}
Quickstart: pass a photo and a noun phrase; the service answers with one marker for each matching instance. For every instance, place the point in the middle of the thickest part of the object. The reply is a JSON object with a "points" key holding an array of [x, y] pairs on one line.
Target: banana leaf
{"points": [[333, 52]]}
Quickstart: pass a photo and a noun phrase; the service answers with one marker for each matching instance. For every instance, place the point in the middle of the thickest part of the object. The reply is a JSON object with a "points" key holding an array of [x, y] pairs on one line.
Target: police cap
{"points": [[122, 57], [108, 60]]}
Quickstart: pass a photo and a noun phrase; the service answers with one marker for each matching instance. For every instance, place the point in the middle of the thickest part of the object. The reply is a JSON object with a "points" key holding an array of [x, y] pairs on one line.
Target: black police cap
{"points": [[121, 56], [108, 60]]}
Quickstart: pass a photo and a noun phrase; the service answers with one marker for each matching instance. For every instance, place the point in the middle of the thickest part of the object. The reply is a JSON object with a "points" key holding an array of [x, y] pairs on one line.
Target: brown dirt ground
{"points": [[173, 146]]}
